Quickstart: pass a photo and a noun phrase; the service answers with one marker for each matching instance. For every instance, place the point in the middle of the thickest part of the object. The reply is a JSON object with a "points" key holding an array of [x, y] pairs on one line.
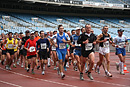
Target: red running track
{"points": [[18, 77]]}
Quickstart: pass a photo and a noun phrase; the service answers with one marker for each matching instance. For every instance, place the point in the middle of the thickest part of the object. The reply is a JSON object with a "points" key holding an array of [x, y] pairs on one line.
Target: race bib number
{"points": [[77, 44], [121, 45], [32, 49], [43, 46], [10, 46], [53, 48], [62, 45], [106, 44], [88, 46]]}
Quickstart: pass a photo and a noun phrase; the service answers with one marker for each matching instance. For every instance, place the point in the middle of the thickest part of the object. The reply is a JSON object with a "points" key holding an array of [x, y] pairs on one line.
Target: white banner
{"points": [[89, 3]]}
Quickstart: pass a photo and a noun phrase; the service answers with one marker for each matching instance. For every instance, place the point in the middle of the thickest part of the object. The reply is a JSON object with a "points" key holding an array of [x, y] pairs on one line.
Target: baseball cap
{"points": [[21, 33], [120, 30], [27, 31], [77, 28], [32, 32]]}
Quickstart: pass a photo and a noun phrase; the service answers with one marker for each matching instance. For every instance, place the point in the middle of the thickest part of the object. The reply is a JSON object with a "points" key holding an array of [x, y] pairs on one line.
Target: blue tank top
{"points": [[61, 45]]}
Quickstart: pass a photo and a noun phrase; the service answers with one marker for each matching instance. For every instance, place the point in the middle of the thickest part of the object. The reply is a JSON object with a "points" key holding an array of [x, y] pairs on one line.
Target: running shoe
{"points": [[33, 72], [38, 67], [65, 68], [62, 76], [14, 65], [122, 73], [49, 65], [6, 67], [43, 72], [22, 65], [108, 74], [18, 62], [54, 67], [67, 65], [9, 68], [81, 76], [76, 68], [28, 69], [86, 71], [90, 76], [98, 70]]}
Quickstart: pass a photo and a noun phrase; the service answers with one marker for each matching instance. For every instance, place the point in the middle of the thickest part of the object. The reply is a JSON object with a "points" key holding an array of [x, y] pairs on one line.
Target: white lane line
{"points": [[114, 84], [59, 83], [10, 83]]}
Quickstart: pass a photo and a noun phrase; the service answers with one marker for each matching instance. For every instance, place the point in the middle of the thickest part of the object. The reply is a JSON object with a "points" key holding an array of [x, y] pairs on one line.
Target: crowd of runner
{"points": [[60, 49]]}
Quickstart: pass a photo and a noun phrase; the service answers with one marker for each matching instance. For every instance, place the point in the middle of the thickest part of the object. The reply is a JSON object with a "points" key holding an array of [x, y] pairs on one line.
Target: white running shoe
{"points": [[22, 65], [54, 67], [122, 73], [18, 62], [43, 72], [9, 68], [67, 65]]}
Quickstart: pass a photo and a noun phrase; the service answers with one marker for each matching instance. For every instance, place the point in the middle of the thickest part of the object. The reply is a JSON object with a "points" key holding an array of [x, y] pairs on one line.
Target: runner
{"points": [[3, 45], [30, 46], [23, 52], [47, 35], [120, 43], [87, 40], [15, 50], [9, 50], [53, 50], [104, 40], [42, 48], [62, 40], [37, 38], [77, 49], [71, 52]]}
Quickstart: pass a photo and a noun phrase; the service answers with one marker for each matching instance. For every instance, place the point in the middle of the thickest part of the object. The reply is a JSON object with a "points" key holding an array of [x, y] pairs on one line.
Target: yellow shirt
{"points": [[10, 43]]}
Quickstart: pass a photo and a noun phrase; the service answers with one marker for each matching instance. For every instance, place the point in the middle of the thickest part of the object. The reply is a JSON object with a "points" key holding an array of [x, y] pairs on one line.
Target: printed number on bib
{"points": [[32, 49], [121, 45], [43, 46], [88, 46], [76, 43], [62, 45], [10, 46], [106, 44], [53, 48]]}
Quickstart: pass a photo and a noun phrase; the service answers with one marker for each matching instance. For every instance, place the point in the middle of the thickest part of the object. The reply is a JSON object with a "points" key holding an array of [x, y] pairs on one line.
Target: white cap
{"points": [[47, 31], [77, 28], [32, 32]]}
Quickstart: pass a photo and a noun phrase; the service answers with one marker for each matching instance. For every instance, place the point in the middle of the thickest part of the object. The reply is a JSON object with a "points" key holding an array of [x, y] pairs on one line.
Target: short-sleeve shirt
{"points": [[31, 44]]}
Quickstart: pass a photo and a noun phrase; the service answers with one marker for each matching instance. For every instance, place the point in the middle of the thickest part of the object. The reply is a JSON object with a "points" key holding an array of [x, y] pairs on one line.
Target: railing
{"points": [[83, 3]]}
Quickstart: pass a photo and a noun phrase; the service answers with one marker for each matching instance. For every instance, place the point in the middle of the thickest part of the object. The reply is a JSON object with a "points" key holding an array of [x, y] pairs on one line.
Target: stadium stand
{"points": [[22, 22]]}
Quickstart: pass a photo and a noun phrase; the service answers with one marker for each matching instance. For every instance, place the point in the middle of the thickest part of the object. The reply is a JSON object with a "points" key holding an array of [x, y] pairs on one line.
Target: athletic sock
{"points": [[62, 73], [105, 70], [49, 61]]}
